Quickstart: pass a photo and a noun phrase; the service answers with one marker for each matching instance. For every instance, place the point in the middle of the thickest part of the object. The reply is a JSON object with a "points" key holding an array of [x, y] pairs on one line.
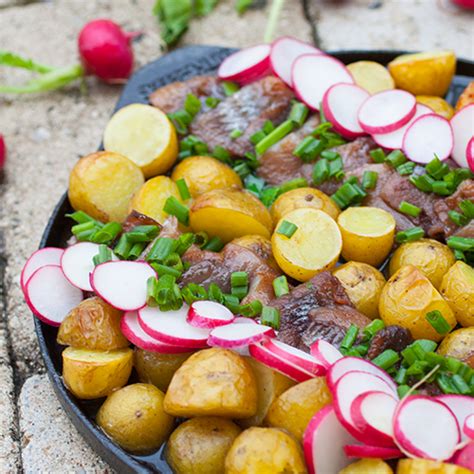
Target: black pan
{"points": [[178, 65]]}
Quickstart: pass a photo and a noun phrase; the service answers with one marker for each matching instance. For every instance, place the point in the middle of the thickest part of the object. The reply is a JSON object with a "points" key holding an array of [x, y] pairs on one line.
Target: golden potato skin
{"points": [[459, 344], [363, 284], [457, 288], [265, 451], [134, 418], [293, 409], [432, 257], [102, 184], [367, 466], [467, 97], [213, 382], [93, 324], [405, 300], [437, 104], [157, 369], [259, 245], [426, 466], [200, 445]]}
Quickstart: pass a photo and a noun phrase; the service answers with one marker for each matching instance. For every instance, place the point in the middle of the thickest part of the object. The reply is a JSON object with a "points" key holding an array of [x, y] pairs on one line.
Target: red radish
{"points": [[464, 3], [463, 130], [246, 65], [465, 457], [341, 104], [313, 74], [426, 137], [394, 140], [122, 284], [171, 327], [323, 443], [40, 258], [3, 152], [238, 335], [468, 428], [209, 314], [364, 451], [461, 405], [50, 296], [325, 352], [470, 154], [284, 52], [386, 111], [372, 413], [132, 330], [425, 427]]}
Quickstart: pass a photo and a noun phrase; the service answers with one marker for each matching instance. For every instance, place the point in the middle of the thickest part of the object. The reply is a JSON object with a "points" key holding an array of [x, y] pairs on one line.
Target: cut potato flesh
{"points": [[371, 76]]}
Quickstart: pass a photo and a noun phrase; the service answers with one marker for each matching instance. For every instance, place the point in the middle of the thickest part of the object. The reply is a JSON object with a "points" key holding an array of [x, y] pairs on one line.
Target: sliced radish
{"points": [[468, 428], [325, 352], [40, 258], [386, 111], [323, 443], [122, 284], [209, 314], [465, 457], [171, 327], [313, 74], [246, 65], [132, 330], [427, 136], [284, 52], [470, 154], [426, 428], [461, 405], [394, 140], [372, 413], [364, 451], [463, 130], [50, 295], [238, 335], [244, 320], [341, 104]]}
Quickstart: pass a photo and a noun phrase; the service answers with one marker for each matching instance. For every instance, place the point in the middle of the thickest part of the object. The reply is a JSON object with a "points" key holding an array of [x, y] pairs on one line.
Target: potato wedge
{"points": [[437, 104], [371, 76], [230, 213], [259, 245], [145, 135], [94, 374], [367, 466], [296, 255], [459, 344], [466, 98], [426, 466], [101, 184]]}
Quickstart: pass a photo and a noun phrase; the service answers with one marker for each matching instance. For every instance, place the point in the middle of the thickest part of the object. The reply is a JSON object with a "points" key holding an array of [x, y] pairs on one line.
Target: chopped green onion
{"points": [[345, 195], [86, 226], [270, 317], [215, 293], [362, 349], [81, 217], [425, 344], [423, 182], [183, 189], [230, 88], [330, 155], [293, 184], [418, 368], [274, 137], [335, 166], [181, 120], [396, 158], [287, 229], [458, 218], [467, 208], [322, 128], [254, 184], [402, 390], [406, 168], [436, 319], [434, 359], [460, 384], [232, 302], [436, 168], [165, 270], [236, 134], [239, 279], [242, 169], [441, 188], [221, 154], [175, 208], [212, 102], [250, 310], [269, 195], [373, 328], [409, 355], [320, 172], [280, 286], [161, 249], [214, 244], [123, 247], [386, 359], [174, 260], [107, 234], [135, 237], [257, 137], [151, 290], [445, 384], [350, 337], [452, 364], [378, 155], [461, 243], [268, 127], [104, 255], [409, 209], [185, 241], [192, 105], [298, 113], [409, 235], [369, 179], [401, 376]]}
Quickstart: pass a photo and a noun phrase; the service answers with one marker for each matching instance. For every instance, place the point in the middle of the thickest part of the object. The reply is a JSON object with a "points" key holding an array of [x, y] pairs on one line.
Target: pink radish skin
{"points": [[341, 104], [468, 428], [425, 427], [465, 457], [122, 284], [238, 335], [387, 111], [323, 443], [40, 258], [50, 296], [313, 74], [209, 314], [461, 406], [470, 154], [364, 451], [462, 124], [325, 352], [3, 152], [284, 53]]}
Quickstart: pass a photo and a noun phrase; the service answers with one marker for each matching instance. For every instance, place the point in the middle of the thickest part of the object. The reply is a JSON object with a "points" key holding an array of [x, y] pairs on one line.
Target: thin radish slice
{"points": [[246, 65], [244, 320], [40, 258], [386, 111], [426, 428], [470, 154], [323, 443], [296, 356], [461, 405], [231, 336], [313, 74], [325, 352], [50, 295], [364, 451], [428, 136], [132, 330], [122, 284], [468, 428], [209, 314], [465, 457], [372, 413], [284, 52], [463, 130], [394, 140], [171, 327], [341, 104]]}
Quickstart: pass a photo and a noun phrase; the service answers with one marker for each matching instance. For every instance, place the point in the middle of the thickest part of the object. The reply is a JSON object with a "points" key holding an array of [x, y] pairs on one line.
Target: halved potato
{"points": [[145, 135], [426, 466], [437, 104], [367, 466], [467, 97], [371, 76], [459, 344]]}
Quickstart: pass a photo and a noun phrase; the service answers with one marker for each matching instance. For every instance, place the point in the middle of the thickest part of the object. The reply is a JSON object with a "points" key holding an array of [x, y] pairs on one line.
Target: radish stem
{"points": [[275, 11]]}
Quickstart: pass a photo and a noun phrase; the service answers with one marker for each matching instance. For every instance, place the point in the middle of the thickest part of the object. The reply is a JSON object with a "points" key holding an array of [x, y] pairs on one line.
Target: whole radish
{"points": [[3, 152]]}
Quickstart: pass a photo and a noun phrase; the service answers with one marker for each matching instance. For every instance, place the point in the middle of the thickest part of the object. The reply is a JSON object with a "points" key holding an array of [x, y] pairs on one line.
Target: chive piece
{"points": [[461, 243], [287, 229], [293, 184], [236, 134], [345, 195], [174, 260], [239, 279], [280, 286], [257, 137], [409, 355], [406, 168], [161, 248], [85, 226], [192, 105], [434, 359], [268, 127], [378, 155], [274, 137], [80, 217], [460, 384], [175, 208], [320, 172], [135, 237], [350, 337], [215, 293], [458, 218], [330, 155], [335, 166], [242, 170], [373, 328], [270, 317], [232, 302], [369, 179], [426, 345], [185, 241], [104, 255], [445, 384], [298, 113], [214, 244], [386, 359], [254, 184], [221, 154], [396, 158], [452, 364], [269, 195], [313, 149], [409, 235], [212, 102], [181, 120], [418, 368], [183, 189], [437, 321], [441, 188], [409, 209], [423, 182], [467, 208], [362, 349], [136, 250], [251, 310], [239, 291], [229, 88], [151, 290], [401, 376], [123, 247], [165, 270], [402, 390], [300, 150], [436, 168]]}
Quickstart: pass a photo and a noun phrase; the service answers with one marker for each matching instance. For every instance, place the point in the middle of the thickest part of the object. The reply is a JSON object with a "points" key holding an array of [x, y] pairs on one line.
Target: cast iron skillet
{"points": [[178, 65]]}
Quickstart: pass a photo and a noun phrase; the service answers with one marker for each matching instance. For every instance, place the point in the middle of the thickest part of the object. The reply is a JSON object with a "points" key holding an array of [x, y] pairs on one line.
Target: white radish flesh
{"points": [[244, 320], [365, 451], [468, 428], [461, 405], [463, 130], [470, 154], [325, 352], [40, 258], [238, 335], [209, 314]]}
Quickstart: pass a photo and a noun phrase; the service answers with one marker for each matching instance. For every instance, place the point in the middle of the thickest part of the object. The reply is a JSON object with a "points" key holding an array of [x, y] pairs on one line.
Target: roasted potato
{"points": [[230, 213], [315, 245], [371, 76], [200, 445], [459, 344], [437, 104], [145, 135], [156, 368], [467, 97], [430, 256], [94, 374], [93, 324], [406, 299], [457, 288], [293, 409], [101, 184], [367, 466], [426, 466], [204, 173], [363, 284], [213, 382], [134, 418], [259, 245], [265, 451], [303, 197]]}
